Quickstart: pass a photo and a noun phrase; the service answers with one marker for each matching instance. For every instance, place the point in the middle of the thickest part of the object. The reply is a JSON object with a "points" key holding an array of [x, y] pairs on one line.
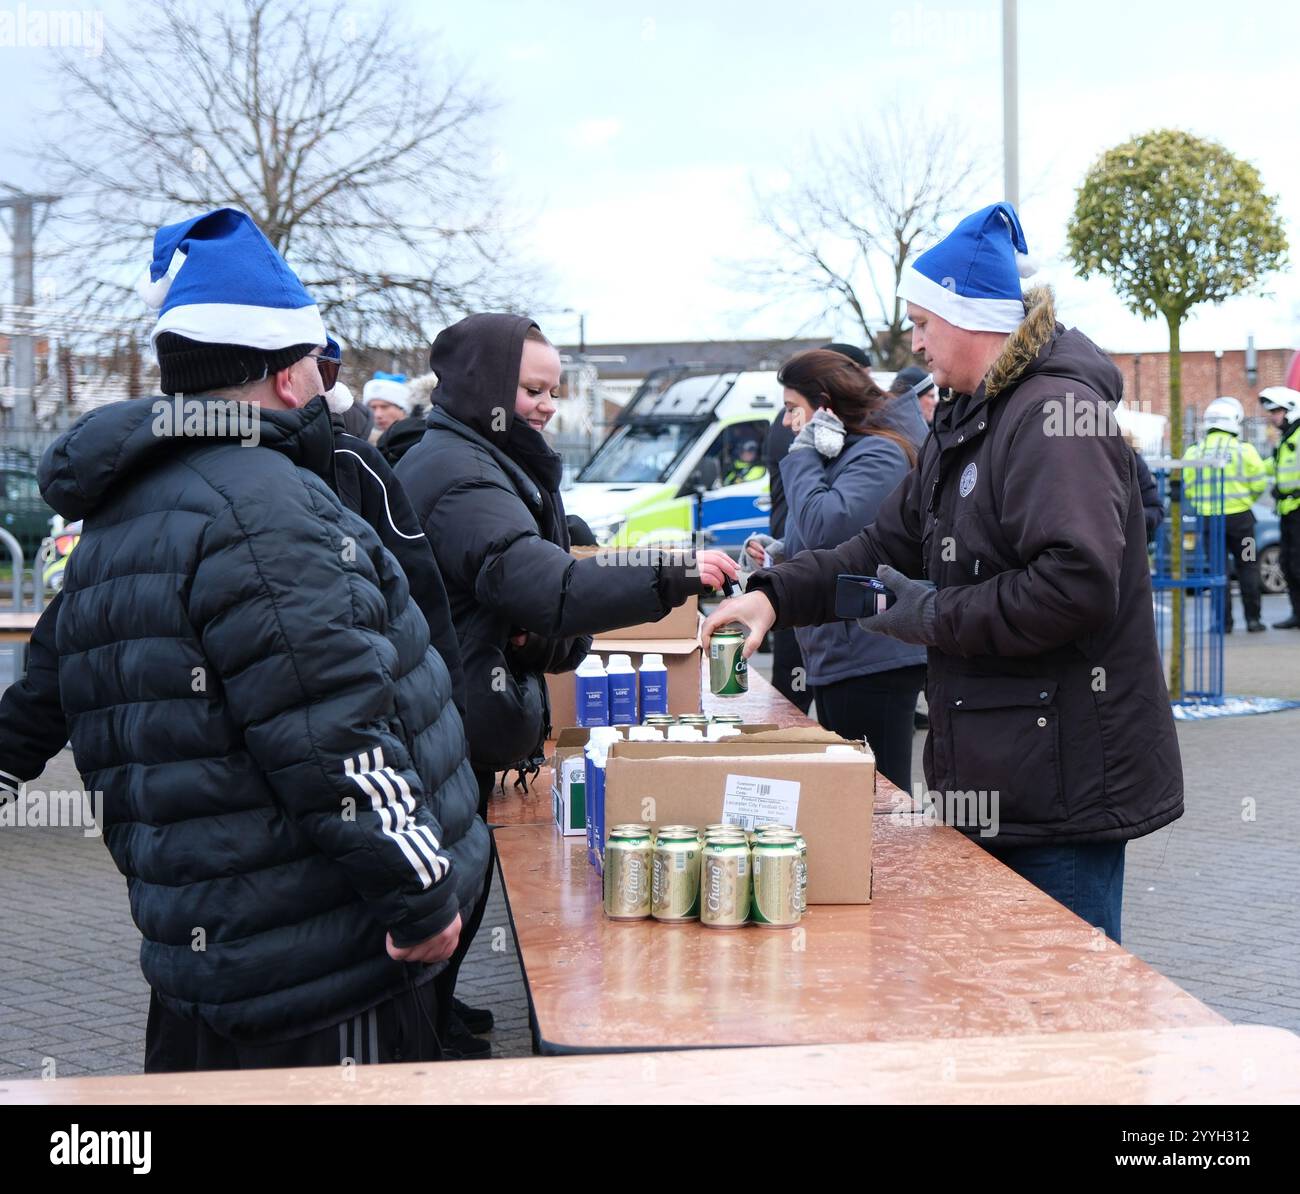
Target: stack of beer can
{"points": [[723, 876]]}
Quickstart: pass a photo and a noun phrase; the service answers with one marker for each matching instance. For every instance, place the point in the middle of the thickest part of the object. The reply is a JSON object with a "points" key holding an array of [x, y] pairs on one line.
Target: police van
{"points": [[684, 459], [685, 456]]}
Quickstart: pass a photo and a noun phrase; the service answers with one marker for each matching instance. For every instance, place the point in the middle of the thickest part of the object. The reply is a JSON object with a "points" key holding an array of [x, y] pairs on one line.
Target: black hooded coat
{"points": [[486, 489]]}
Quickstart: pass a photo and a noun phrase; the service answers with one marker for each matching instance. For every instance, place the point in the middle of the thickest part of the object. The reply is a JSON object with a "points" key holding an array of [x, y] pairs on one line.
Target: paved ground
{"points": [[1212, 901]]}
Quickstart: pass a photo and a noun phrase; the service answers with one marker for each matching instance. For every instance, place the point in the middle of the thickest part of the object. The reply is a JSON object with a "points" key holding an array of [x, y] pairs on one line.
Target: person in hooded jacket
{"points": [[249, 683], [485, 485], [1016, 554]]}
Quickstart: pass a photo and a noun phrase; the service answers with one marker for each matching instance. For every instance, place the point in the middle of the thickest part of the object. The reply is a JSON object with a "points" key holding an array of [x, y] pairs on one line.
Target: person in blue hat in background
{"points": [[248, 681], [388, 398], [1016, 554]]}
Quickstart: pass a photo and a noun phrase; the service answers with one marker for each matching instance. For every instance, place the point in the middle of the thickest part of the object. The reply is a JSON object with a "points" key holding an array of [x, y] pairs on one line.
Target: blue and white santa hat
{"points": [[216, 281], [388, 387], [971, 278]]}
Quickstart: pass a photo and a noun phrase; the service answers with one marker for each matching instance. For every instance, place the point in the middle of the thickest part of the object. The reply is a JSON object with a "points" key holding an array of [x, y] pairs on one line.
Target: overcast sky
{"points": [[628, 137]]}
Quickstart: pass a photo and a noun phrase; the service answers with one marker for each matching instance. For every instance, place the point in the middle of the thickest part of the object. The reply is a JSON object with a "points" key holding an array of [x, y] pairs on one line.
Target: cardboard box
{"points": [[682, 622], [568, 786], [681, 658], [759, 774], [569, 796], [573, 739]]}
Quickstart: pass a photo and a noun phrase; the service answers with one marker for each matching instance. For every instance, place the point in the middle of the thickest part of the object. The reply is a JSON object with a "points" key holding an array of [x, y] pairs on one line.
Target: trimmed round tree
{"points": [[1173, 221]]}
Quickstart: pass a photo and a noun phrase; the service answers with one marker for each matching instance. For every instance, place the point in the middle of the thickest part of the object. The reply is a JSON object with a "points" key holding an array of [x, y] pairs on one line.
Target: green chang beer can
{"points": [[728, 719], [627, 875], [675, 877], [803, 872], [728, 671], [785, 833], [776, 882], [724, 883], [728, 832]]}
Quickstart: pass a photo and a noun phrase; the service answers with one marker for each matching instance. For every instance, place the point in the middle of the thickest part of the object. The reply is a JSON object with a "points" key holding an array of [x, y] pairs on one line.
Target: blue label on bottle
{"points": [[592, 694], [622, 700], [654, 693]]}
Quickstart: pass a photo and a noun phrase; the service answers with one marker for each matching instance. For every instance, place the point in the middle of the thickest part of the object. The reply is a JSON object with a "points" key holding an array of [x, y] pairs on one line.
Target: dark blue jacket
{"points": [[249, 684], [830, 501]]}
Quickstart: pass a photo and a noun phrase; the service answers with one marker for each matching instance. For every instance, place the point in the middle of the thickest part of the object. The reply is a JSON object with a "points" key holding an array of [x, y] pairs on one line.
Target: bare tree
{"points": [[359, 155], [858, 210]]}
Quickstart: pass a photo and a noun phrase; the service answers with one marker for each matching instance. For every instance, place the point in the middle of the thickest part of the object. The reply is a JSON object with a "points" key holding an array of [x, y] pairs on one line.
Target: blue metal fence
{"points": [[1203, 581]]}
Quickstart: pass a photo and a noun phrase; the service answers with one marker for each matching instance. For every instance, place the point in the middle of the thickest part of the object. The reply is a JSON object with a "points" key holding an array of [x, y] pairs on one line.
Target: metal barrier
{"points": [[19, 582], [1202, 582]]}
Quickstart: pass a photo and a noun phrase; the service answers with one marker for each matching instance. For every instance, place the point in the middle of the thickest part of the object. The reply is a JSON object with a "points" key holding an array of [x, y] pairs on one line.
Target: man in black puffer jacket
{"points": [[32, 726], [249, 683]]}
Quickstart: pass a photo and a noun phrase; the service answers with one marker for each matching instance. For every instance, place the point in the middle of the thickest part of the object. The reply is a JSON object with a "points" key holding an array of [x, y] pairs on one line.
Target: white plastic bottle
{"points": [[591, 689], [622, 690], [654, 684]]}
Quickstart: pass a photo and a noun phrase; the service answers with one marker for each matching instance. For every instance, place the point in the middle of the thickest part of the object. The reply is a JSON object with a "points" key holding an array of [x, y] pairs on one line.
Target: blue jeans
{"points": [[1087, 879]]}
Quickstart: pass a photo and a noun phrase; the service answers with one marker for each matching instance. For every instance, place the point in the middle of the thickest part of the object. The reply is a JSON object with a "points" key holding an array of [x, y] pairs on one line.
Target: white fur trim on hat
{"points": [[975, 315], [267, 328], [384, 389]]}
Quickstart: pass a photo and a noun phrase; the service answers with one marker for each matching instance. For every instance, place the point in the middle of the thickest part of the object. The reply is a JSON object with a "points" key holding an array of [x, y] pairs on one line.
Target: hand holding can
{"points": [[752, 610]]}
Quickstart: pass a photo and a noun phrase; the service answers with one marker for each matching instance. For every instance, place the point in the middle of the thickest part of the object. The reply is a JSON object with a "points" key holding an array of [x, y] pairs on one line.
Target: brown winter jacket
{"points": [[1045, 684]]}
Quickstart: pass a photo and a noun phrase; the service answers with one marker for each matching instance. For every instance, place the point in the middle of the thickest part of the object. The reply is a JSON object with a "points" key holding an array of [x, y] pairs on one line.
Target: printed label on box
{"points": [[749, 801]]}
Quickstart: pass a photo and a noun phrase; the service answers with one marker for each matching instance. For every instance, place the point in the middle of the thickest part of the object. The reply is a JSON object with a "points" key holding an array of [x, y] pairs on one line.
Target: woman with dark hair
{"points": [[845, 459]]}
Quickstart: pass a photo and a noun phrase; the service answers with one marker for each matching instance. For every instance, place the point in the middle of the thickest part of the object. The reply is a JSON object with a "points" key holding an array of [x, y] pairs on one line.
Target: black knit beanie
{"points": [[193, 367]]}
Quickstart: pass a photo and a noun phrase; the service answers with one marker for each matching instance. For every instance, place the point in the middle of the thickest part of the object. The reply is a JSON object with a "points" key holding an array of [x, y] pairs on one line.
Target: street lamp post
{"points": [[1010, 110]]}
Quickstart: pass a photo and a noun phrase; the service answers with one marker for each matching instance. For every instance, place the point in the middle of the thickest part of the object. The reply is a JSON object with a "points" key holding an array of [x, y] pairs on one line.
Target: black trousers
{"points": [[1240, 532], [1290, 528], [446, 981], [879, 708], [402, 1028], [788, 675]]}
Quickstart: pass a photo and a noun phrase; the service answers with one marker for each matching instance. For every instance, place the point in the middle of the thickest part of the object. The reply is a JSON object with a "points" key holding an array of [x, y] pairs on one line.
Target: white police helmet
{"points": [[1225, 414], [1281, 398]]}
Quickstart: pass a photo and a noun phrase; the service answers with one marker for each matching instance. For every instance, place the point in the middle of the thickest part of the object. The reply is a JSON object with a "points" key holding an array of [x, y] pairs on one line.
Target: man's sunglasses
{"points": [[329, 369]]}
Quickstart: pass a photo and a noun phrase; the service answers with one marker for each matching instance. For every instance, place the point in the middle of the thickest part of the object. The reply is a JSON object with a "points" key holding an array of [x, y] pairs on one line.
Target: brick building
{"points": [[1206, 375]]}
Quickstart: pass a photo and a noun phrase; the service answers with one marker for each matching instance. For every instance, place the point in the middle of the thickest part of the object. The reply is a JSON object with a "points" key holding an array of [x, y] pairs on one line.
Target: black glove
{"points": [[911, 618]]}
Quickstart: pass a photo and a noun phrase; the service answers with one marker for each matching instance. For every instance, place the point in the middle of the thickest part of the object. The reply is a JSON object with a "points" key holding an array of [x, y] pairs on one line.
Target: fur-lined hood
{"points": [[1026, 342], [1040, 343]]}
